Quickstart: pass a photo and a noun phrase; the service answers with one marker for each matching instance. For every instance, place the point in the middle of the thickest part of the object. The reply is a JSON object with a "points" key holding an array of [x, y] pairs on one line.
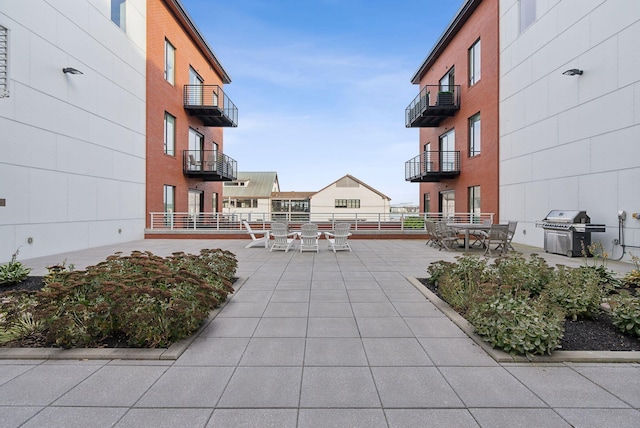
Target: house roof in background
{"points": [[362, 183], [291, 195], [259, 185]]}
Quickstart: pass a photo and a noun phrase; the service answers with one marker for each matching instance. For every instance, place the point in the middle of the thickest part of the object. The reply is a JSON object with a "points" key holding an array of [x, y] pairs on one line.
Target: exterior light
{"points": [[71, 70], [573, 72]]}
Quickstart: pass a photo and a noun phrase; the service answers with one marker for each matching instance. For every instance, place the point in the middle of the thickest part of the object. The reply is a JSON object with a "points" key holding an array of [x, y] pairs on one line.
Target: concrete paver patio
{"points": [[317, 340]]}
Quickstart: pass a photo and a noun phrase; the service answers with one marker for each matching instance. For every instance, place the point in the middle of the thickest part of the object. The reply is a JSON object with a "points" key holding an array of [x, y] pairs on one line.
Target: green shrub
{"points": [[437, 269], [143, 299], [517, 324], [632, 278], [17, 322], [577, 291], [413, 223], [625, 313], [530, 275], [14, 271]]}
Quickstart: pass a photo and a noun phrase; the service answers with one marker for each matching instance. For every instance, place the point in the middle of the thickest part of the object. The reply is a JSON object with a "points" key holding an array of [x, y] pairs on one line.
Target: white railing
{"points": [[232, 222]]}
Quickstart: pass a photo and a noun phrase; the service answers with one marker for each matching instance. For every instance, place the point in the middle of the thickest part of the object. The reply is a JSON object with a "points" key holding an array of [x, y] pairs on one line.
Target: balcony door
{"points": [[196, 204], [448, 204], [447, 151], [196, 141], [195, 88], [428, 163], [447, 81]]}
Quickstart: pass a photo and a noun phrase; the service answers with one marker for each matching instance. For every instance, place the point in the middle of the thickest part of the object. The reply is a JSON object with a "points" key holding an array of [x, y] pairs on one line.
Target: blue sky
{"points": [[321, 85]]}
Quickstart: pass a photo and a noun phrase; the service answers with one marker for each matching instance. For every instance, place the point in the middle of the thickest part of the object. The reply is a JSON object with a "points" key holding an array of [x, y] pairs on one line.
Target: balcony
{"points": [[211, 105], [432, 167], [432, 106], [209, 165]]}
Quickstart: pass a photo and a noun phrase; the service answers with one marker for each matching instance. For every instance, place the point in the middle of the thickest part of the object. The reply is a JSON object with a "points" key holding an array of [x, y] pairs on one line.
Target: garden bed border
{"points": [[502, 357]]}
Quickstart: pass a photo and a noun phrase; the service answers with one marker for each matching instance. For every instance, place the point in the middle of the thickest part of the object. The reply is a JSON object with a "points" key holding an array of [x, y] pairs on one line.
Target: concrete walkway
{"points": [[318, 340]]}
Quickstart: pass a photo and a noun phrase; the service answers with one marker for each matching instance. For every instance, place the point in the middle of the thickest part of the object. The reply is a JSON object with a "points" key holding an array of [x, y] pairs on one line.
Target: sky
{"points": [[321, 86]]}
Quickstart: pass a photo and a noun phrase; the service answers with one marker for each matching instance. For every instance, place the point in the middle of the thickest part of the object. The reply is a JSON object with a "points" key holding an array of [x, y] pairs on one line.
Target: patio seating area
{"points": [[313, 340]]}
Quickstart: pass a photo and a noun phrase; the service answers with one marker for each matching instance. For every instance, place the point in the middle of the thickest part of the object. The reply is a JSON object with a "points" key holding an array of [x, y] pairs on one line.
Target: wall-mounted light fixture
{"points": [[573, 72], [71, 70]]}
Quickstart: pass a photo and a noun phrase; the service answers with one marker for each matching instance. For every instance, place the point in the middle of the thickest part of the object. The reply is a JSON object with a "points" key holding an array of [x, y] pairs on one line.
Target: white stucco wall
{"points": [[571, 142], [72, 168]]}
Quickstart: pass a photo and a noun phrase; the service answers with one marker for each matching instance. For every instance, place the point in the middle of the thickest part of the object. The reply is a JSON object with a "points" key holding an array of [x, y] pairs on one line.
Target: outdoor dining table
{"points": [[467, 227]]}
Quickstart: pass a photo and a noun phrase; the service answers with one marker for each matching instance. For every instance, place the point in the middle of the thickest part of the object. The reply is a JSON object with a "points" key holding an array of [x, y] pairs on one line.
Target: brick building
{"points": [[457, 113], [187, 110]]}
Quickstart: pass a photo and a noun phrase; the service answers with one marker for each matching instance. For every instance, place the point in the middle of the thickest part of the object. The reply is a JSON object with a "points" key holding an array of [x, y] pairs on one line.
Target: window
{"points": [[169, 205], [214, 202], [169, 134], [195, 204], [195, 88], [347, 203], [4, 62], [474, 201], [474, 135], [119, 13], [527, 13], [474, 63], [427, 202], [169, 62], [196, 141], [447, 151], [447, 81], [448, 203], [428, 163]]}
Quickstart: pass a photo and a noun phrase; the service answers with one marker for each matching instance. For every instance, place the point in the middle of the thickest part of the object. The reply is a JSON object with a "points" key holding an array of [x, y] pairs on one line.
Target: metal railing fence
{"points": [[365, 222]]}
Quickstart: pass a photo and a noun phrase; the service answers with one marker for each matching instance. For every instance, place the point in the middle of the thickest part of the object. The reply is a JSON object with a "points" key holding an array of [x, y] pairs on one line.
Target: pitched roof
{"points": [[258, 185], [362, 183], [181, 13], [449, 33]]}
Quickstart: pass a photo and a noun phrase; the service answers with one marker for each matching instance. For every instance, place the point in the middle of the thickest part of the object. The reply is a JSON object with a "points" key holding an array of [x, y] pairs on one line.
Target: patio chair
{"points": [[309, 237], [263, 239], [430, 226], [478, 235], [446, 237], [283, 240], [338, 238], [497, 235], [510, 232]]}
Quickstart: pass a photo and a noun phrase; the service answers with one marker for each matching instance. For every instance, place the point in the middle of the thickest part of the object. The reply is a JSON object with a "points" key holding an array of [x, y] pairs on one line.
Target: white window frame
{"points": [[475, 135], [169, 62], [169, 134], [474, 63], [4, 62], [475, 201]]}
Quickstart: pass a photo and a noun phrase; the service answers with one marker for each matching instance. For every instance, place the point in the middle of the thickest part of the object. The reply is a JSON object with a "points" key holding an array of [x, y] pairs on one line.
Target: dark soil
{"points": [[597, 334]]}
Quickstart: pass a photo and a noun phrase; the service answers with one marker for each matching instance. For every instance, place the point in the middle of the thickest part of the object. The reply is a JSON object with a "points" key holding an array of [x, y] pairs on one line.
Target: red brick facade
{"points": [[165, 22], [482, 97]]}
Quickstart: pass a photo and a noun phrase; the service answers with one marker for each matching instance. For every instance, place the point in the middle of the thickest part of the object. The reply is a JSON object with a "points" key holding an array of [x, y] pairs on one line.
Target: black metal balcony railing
{"points": [[432, 106], [211, 105], [432, 166], [210, 165]]}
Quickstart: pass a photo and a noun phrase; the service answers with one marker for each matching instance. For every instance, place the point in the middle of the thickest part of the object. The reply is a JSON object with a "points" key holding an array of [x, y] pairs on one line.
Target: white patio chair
{"points": [[262, 239], [309, 237], [338, 238], [283, 240]]}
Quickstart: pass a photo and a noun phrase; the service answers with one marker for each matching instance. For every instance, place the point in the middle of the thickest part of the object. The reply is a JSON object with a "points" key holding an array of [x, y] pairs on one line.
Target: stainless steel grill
{"points": [[567, 232]]}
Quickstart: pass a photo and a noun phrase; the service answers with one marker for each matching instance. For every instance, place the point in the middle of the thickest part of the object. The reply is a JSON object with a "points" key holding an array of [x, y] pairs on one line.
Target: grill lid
{"points": [[567, 217]]}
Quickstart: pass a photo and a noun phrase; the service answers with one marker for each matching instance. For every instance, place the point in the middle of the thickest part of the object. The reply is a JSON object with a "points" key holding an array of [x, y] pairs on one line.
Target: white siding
{"points": [[571, 142], [73, 146]]}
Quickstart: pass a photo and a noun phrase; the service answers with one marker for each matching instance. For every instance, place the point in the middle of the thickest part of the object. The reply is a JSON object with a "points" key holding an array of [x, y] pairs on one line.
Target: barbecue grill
{"points": [[566, 232]]}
